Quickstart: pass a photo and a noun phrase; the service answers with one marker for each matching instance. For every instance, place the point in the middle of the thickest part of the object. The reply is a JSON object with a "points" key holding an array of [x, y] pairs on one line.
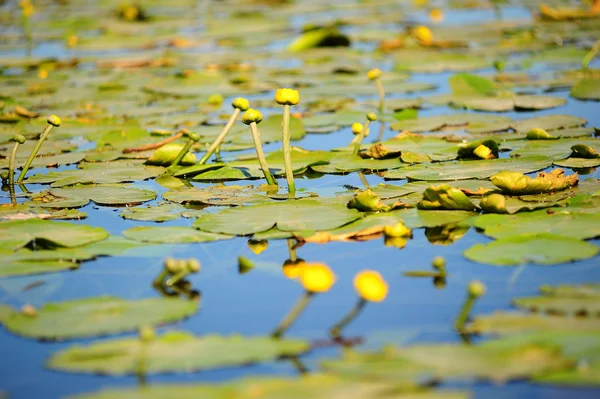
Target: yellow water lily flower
{"points": [[293, 269], [317, 277], [357, 127], [374, 73], [287, 96], [370, 286]]}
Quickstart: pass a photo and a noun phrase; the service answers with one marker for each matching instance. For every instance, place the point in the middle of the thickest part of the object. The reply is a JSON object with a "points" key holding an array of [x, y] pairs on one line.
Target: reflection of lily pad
{"points": [[97, 316], [542, 249], [172, 352]]}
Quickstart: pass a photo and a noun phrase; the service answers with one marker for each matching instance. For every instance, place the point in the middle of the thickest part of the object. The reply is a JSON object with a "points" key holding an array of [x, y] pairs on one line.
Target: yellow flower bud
{"points": [[240, 103], [43, 73], [398, 230], [482, 152], [476, 289], [357, 127], [374, 73], [193, 265], [251, 115], [29, 311], [439, 263], [54, 120], [370, 286], [423, 34], [372, 116], [317, 277], [215, 99], [174, 266], [287, 96], [18, 138], [146, 333], [72, 41]]}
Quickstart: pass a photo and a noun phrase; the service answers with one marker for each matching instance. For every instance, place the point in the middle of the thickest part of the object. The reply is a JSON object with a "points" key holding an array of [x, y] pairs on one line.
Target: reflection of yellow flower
{"points": [[293, 269], [370, 286], [374, 73], [317, 277], [287, 96], [422, 34], [257, 246]]}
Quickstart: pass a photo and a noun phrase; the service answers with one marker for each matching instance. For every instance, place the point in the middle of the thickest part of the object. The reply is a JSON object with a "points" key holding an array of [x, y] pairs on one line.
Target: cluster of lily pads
{"points": [[519, 179]]}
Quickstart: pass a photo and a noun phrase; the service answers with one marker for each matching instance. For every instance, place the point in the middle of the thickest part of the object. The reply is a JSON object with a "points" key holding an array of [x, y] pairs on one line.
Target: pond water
{"points": [[415, 310]]}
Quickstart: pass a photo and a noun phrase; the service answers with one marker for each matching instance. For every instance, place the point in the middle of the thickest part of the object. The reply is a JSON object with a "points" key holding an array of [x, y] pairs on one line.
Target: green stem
{"points": [[215, 146], [140, 370], [287, 151], [160, 278], [293, 314], [180, 155], [361, 137], [590, 55], [459, 324], [336, 330], [381, 131], [36, 149], [363, 179], [298, 365], [381, 94], [28, 36], [260, 154], [11, 164]]}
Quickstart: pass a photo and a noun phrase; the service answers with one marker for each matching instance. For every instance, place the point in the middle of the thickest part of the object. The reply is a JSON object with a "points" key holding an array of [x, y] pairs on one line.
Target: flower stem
{"points": [[287, 154], [219, 140], [153, 145], [176, 278], [11, 164], [291, 317], [36, 149], [361, 137], [381, 94], [459, 324], [260, 154], [423, 273], [292, 249], [336, 330], [180, 156]]}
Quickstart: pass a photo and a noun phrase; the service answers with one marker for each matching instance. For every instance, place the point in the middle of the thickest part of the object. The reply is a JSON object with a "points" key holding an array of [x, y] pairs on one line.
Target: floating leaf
{"points": [[515, 183], [171, 235], [542, 249], [514, 322], [97, 316], [564, 300], [172, 352], [480, 169], [287, 216], [586, 89], [47, 234], [220, 195], [77, 196], [160, 213]]}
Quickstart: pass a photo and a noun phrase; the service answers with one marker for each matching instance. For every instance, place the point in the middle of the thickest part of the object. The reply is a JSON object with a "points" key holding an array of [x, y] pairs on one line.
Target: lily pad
{"points": [[461, 170], [80, 195], [515, 183], [173, 351], [586, 89], [296, 215], [515, 322], [562, 301], [541, 249], [47, 234], [160, 213], [220, 195], [171, 235], [97, 316], [91, 175]]}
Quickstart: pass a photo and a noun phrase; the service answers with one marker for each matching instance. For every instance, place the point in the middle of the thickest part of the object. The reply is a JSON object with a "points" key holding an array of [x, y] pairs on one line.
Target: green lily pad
{"points": [[586, 89], [315, 386], [480, 169], [578, 163], [97, 316], [496, 361], [160, 213], [47, 234], [576, 291], [541, 249], [514, 322], [171, 235], [220, 195], [173, 351], [566, 300], [577, 225], [296, 215], [435, 62], [80, 195], [547, 122]]}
